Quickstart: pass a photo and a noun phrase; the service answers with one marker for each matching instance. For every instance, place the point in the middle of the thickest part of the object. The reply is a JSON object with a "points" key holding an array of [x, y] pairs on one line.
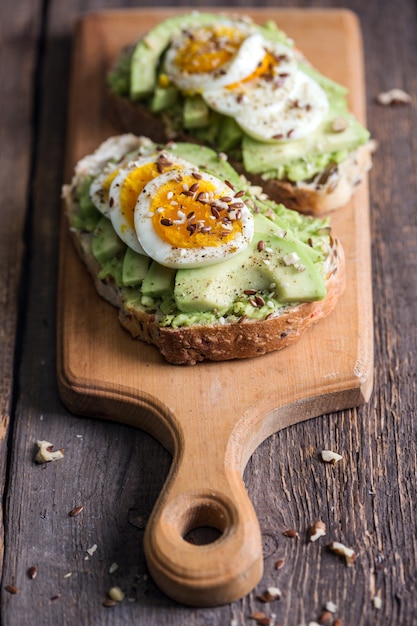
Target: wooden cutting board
{"points": [[211, 416]]}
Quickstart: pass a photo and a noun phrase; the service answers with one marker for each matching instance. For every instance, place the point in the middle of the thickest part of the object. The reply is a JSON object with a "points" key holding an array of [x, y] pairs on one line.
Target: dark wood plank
{"points": [[20, 28], [367, 500]]}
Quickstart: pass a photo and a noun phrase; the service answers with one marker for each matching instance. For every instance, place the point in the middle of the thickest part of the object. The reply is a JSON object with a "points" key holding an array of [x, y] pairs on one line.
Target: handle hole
{"points": [[203, 524], [202, 535]]}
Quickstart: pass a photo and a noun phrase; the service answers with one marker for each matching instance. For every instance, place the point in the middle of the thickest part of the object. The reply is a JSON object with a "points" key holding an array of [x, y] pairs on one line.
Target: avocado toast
{"points": [[246, 91], [279, 273]]}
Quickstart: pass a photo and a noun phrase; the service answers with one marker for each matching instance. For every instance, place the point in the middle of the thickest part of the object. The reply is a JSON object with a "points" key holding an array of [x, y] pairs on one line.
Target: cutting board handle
{"points": [[196, 495]]}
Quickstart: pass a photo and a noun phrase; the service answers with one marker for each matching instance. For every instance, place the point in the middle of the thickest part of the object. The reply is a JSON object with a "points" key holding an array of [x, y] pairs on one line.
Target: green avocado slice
{"points": [[269, 264]]}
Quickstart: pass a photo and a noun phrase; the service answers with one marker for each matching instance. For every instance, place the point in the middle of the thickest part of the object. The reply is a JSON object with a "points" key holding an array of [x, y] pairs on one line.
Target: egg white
{"points": [[261, 86], [111, 150], [292, 118], [105, 162], [122, 214], [100, 187], [185, 256], [268, 89], [242, 63]]}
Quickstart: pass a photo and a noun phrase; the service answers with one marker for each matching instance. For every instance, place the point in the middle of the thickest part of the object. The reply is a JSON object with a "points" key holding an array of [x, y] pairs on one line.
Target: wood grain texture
{"points": [[17, 66], [215, 414], [367, 501]]}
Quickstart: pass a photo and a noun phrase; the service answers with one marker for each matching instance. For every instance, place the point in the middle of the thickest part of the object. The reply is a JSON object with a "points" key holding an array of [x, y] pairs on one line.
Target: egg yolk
{"points": [[105, 185], [192, 213], [265, 69], [208, 49], [133, 185]]}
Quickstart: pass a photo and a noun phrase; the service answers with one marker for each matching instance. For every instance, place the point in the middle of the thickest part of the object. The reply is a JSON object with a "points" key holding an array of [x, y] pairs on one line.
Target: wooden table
{"points": [[115, 472]]}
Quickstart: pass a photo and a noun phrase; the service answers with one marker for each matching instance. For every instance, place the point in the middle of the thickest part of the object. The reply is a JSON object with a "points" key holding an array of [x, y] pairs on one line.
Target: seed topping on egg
{"points": [[186, 220], [126, 186], [212, 220], [213, 56], [207, 49], [241, 74], [162, 163]]}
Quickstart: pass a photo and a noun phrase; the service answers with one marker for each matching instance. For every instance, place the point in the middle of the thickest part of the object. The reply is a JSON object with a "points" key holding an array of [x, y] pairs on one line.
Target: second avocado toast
{"points": [[246, 90]]}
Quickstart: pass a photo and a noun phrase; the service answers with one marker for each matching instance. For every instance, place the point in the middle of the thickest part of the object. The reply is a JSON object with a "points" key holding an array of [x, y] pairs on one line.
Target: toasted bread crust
{"points": [[316, 197], [134, 118], [241, 340]]}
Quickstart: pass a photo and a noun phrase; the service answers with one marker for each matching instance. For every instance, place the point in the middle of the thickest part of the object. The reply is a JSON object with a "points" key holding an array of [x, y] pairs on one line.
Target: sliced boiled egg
{"points": [[241, 74], [190, 219], [126, 186], [104, 165], [110, 151], [213, 56], [294, 117], [100, 188], [268, 85]]}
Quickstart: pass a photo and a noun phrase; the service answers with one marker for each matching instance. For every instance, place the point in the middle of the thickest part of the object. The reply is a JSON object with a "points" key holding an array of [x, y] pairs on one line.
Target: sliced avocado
{"points": [[230, 134], [195, 112], [148, 50], [217, 286], [106, 244], [329, 85], [112, 269], [207, 160], [163, 98], [135, 267], [281, 266], [296, 276], [304, 227], [265, 226], [271, 32], [207, 135], [159, 281]]}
